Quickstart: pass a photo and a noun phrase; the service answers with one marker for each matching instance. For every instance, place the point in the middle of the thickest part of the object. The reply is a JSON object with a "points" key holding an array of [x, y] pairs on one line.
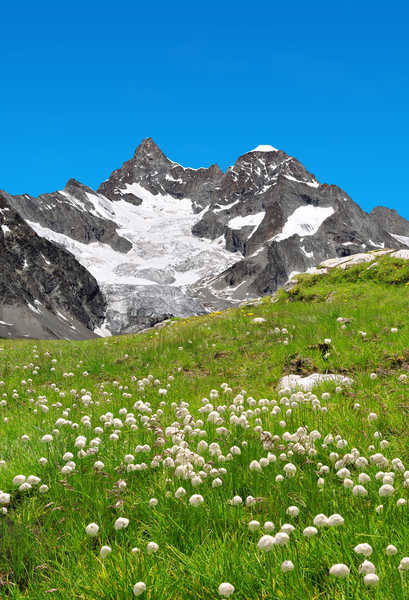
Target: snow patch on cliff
{"points": [[403, 239], [305, 220]]}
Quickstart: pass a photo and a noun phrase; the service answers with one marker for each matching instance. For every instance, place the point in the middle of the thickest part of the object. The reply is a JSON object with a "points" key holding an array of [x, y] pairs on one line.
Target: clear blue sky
{"points": [[82, 83]]}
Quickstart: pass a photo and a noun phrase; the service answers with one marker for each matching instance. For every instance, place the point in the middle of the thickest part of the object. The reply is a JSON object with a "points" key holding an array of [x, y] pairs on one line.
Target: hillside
{"points": [[183, 437]]}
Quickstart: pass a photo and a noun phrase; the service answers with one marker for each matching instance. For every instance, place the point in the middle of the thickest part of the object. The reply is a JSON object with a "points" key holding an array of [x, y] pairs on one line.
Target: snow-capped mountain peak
{"points": [[160, 239], [264, 148]]}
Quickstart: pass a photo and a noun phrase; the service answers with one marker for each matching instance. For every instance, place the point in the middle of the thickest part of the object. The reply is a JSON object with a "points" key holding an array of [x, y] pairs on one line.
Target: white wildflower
{"points": [[366, 567], [339, 570], [121, 523], [364, 549], [152, 547], [196, 500], [253, 525], [139, 588], [92, 529], [310, 531], [105, 550], [225, 589], [286, 566], [266, 543], [371, 579]]}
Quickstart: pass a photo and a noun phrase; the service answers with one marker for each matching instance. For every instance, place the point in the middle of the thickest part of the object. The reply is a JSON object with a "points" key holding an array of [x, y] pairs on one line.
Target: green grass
{"points": [[45, 552]]}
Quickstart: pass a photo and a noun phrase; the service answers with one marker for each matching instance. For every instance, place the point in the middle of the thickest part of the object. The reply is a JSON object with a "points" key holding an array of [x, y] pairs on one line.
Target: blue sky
{"points": [[82, 83]]}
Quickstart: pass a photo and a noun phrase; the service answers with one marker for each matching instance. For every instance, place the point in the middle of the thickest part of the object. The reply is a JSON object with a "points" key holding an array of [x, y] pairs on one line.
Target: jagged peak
{"points": [[73, 185], [148, 147], [383, 209], [74, 182]]}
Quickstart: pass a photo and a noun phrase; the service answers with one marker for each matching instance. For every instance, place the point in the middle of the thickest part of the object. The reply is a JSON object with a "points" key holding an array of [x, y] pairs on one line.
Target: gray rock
{"points": [[134, 308], [44, 291], [389, 219], [72, 213]]}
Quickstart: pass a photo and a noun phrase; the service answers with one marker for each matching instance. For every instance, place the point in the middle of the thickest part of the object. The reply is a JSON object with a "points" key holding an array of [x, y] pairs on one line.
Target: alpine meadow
{"points": [[203, 459], [204, 300]]}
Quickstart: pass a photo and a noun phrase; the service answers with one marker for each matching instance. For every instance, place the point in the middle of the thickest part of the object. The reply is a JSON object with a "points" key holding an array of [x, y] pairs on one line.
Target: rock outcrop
{"points": [[44, 291]]}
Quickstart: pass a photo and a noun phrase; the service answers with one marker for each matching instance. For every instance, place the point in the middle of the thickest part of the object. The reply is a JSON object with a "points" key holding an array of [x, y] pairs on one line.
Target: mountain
{"points": [[160, 240], [44, 291]]}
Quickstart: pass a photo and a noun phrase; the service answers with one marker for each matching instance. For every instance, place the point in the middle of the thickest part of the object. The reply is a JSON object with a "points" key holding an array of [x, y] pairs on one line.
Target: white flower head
{"points": [[19, 479], [196, 500], [310, 531], [105, 550], [152, 547], [139, 588], [180, 492], [282, 538], [359, 490], [339, 570], [335, 520], [371, 579], [290, 469], [266, 543], [321, 520], [366, 567], [24, 487], [386, 490], [225, 589], [92, 530], [4, 498], [404, 564], [364, 549], [121, 523], [255, 466], [286, 566], [253, 525]]}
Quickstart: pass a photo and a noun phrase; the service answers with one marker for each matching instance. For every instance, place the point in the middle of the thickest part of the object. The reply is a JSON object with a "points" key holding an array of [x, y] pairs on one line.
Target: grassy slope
{"points": [[45, 552]]}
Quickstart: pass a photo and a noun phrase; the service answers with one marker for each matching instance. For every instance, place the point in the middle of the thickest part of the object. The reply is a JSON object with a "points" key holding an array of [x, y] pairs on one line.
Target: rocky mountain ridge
{"points": [[158, 240], [45, 292]]}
